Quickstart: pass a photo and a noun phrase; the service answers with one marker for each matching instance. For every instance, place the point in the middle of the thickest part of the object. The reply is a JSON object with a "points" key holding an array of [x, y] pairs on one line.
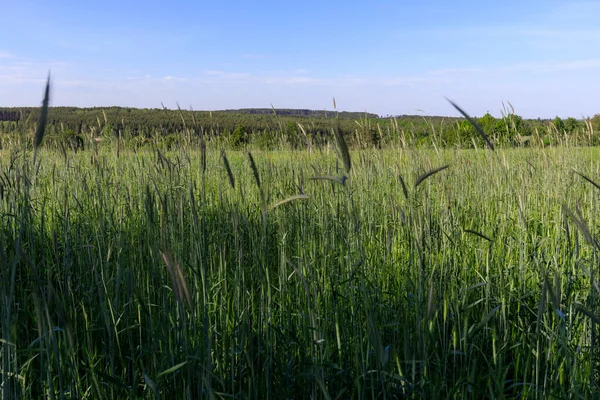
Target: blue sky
{"points": [[385, 57]]}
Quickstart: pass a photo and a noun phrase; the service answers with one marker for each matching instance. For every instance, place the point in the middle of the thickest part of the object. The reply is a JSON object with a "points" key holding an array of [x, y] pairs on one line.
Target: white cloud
{"points": [[292, 80], [75, 83], [226, 74], [174, 78]]}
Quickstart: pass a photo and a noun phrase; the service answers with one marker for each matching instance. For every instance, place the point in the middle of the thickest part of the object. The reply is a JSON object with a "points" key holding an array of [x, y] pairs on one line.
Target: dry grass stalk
{"points": [[180, 286]]}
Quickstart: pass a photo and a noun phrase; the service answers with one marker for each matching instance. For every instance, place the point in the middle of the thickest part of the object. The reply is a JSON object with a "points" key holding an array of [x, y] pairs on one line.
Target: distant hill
{"points": [[292, 112], [265, 126], [14, 113], [144, 121]]}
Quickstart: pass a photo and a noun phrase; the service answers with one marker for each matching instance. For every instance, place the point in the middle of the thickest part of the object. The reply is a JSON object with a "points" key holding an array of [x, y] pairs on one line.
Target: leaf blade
{"points": [[474, 124]]}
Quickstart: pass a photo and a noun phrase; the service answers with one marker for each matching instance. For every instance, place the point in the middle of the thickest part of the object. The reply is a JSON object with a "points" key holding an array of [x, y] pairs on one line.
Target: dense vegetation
{"points": [[268, 129], [182, 271]]}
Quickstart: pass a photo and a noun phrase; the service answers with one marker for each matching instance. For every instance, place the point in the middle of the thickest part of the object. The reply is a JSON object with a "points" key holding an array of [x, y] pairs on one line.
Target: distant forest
{"points": [[297, 127], [136, 121]]}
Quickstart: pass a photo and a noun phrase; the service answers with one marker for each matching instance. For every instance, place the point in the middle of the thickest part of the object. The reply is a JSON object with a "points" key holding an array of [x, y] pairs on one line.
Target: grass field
{"points": [[299, 274]]}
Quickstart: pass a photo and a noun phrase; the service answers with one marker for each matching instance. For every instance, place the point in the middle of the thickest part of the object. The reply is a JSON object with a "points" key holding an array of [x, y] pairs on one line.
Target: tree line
{"points": [[296, 128]]}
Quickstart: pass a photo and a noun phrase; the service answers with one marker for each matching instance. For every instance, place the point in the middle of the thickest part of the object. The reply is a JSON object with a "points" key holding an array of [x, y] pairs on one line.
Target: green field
{"points": [[181, 270], [184, 274]]}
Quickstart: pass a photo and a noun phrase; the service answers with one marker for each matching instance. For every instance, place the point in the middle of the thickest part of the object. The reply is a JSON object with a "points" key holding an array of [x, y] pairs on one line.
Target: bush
{"points": [[72, 140], [239, 137], [293, 137], [559, 125], [571, 124]]}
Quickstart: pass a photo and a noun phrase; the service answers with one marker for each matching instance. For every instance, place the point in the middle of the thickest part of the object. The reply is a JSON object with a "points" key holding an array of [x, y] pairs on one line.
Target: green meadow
{"points": [[401, 272]]}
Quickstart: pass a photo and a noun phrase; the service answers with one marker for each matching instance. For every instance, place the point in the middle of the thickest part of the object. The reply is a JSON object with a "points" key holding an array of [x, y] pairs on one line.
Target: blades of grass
{"points": [[113, 380], [337, 179], [171, 370], [343, 147], [277, 118], [426, 175], [41, 127], [185, 128], [181, 116], [472, 122], [152, 385], [180, 286], [481, 235], [306, 138], [228, 169], [143, 306], [203, 154], [583, 227], [254, 169], [485, 320], [324, 391], [588, 179], [289, 199], [587, 312], [404, 188], [554, 299], [193, 117], [475, 286]]}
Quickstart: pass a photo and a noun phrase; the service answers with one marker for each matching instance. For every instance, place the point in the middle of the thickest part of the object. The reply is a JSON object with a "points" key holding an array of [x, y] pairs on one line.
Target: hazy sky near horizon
{"points": [[385, 57]]}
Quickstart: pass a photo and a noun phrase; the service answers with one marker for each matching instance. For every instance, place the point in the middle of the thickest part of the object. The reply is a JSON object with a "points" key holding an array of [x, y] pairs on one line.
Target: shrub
{"points": [[239, 137]]}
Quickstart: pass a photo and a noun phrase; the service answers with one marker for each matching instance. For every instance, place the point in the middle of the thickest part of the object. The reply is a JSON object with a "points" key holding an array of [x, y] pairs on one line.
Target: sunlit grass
{"points": [[139, 274]]}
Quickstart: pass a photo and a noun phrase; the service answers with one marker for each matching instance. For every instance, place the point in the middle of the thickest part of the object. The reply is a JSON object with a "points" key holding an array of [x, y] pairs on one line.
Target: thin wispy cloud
{"points": [[72, 83], [175, 78], [294, 80], [592, 64], [226, 74]]}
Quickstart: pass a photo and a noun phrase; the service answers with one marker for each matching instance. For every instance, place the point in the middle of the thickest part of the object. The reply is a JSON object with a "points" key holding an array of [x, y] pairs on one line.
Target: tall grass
{"points": [[140, 275], [373, 274]]}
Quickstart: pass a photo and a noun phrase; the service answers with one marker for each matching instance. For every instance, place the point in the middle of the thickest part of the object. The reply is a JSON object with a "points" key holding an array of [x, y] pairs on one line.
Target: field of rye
{"points": [[322, 273]]}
